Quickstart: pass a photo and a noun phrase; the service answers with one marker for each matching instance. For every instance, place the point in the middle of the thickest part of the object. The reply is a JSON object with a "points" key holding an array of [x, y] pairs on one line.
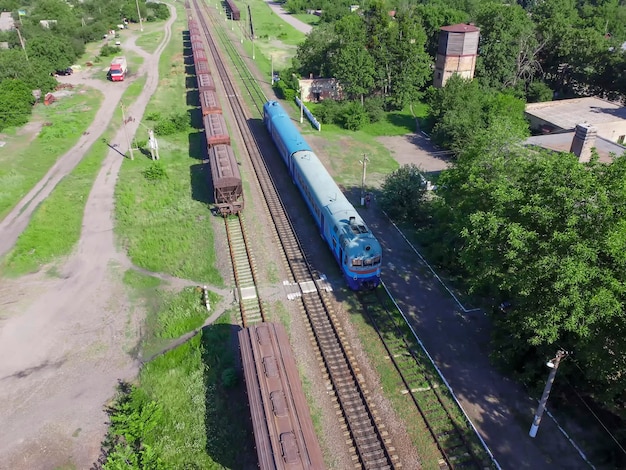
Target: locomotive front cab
{"points": [[363, 259]]}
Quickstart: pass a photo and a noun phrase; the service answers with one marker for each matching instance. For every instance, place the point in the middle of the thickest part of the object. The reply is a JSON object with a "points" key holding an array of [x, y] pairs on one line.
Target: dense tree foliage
{"points": [[462, 109], [546, 232], [56, 46], [402, 193], [575, 47], [370, 52]]}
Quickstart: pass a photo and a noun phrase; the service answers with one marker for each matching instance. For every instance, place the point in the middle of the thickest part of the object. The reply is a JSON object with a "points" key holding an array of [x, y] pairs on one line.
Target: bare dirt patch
{"points": [[416, 149], [65, 341]]}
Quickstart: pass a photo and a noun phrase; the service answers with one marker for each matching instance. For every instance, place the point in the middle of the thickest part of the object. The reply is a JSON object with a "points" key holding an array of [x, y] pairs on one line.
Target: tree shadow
{"points": [[201, 183], [230, 441]]}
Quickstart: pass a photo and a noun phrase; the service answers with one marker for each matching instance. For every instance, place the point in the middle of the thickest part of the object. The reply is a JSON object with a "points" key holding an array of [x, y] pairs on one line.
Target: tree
{"points": [[509, 49], [402, 193], [51, 51], [351, 63], [16, 101], [547, 233], [410, 65], [462, 110]]}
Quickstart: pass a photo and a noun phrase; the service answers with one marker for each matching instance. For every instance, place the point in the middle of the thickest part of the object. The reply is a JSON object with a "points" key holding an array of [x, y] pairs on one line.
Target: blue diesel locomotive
{"points": [[355, 248]]}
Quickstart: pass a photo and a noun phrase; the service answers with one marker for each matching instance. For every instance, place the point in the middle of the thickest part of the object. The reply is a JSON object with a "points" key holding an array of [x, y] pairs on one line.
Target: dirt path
{"points": [[66, 341]]}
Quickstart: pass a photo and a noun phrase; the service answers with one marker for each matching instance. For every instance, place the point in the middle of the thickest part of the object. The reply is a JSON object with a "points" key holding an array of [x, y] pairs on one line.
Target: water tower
{"points": [[457, 52]]}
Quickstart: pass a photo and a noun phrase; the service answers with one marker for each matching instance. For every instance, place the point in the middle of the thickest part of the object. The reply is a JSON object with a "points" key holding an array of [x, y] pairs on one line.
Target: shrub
{"points": [[107, 50], [402, 194], [538, 92], [328, 112], [354, 116], [155, 172], [172, 124], [374, 107]]}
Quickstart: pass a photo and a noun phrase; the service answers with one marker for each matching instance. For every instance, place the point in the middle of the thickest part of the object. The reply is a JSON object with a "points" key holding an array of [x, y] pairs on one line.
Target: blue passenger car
{"points": [[355, 248]]}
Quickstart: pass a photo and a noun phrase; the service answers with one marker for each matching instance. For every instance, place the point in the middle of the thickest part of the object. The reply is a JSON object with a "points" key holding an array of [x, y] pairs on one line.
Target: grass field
{"points": [[150, 40], [55, 227], [201, 411], [23, 162]]}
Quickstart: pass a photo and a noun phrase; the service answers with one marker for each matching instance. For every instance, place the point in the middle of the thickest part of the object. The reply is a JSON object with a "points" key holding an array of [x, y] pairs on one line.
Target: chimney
{"points": [[584, 140]]}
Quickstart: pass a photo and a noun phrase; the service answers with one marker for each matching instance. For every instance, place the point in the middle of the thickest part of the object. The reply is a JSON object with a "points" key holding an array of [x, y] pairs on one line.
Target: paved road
{"points": [[459, 344]]}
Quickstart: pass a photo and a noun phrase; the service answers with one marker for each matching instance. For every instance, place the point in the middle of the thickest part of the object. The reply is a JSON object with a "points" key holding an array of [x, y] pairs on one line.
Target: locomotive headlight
{"points": [[368, 248]]}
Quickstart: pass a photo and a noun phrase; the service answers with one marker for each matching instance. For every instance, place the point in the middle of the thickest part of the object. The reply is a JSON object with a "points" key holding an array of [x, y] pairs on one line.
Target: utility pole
{"points": [[139, 15], [301, 105], [553, 365], [253, 57], [272, 60], [364, 163], [19, 35], [130, 148]]}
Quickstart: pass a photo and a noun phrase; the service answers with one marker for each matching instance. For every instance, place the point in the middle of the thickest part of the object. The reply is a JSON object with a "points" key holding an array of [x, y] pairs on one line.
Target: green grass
{"points": [[274, 37], [169, 315], [55, 227], [165, 225], [149, 41], [203, 424], [23, 165], [312, 20]]}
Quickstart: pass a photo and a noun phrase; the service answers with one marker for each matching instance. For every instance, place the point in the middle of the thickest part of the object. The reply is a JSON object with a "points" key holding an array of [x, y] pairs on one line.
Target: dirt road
{"points": [[65, 342]]}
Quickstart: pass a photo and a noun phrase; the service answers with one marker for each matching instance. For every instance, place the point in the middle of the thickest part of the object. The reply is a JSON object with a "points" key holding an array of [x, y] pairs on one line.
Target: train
{"points": [[355, 248], [283, 429], [227, 186], [234, 11]]}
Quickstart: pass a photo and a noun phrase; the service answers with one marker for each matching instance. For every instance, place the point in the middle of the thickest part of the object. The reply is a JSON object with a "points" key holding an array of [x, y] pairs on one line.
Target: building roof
{"points": [[6, 21], [562, 142], [565, 114], [460, 28]]}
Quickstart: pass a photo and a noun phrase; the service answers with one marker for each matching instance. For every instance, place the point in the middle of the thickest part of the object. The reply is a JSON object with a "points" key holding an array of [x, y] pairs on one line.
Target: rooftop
{"points": [[460, 28], [6, 21], [567, 113], [562, 142]]}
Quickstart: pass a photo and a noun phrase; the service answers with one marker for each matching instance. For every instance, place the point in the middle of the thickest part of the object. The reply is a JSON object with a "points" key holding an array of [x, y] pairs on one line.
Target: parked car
{"points": [[67, 71]]}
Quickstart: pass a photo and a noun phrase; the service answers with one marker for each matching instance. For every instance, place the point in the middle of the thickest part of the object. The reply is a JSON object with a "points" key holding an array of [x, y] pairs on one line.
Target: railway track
{"points": [[455, 438], [372, 449], [244, 271]]}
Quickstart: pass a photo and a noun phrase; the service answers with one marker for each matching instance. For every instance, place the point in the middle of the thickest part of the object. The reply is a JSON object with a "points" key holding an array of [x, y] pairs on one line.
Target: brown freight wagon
{"points": [[209, 103], [216, 130], [205, 82], [198, 53], [227, 188], [281, 421], [202, 66]]}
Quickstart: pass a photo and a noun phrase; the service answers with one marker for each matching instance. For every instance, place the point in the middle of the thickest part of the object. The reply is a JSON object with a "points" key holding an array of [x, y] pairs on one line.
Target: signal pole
{"points": [[130, 148], [553, 365], [364, 163], [301, 105]]}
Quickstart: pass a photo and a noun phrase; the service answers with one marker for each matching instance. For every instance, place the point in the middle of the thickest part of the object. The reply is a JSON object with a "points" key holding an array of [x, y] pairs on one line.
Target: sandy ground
{"points": [[65, 341]]}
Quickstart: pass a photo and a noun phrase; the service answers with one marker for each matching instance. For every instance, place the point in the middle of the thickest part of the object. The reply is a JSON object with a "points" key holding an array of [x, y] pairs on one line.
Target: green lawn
{"points": [[313, 20], [165, 225], [24, 163], [55, 227], [150, 40]]}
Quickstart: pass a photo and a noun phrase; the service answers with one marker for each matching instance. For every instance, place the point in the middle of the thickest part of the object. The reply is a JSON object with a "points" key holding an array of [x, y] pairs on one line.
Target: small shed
{"points": [[319, 89]]}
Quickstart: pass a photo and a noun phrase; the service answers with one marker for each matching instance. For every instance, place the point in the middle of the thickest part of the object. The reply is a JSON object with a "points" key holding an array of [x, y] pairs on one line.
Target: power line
{"points": [[592, 412]]}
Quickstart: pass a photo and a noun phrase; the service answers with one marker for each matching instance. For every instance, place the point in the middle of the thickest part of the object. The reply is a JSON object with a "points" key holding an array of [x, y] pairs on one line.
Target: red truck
{"points": [[118, 69]]}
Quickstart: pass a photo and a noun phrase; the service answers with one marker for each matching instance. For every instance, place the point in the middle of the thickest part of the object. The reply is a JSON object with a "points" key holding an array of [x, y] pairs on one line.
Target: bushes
{"points": [[107, 50], [133, 417], [172, 124], [16, 101]]}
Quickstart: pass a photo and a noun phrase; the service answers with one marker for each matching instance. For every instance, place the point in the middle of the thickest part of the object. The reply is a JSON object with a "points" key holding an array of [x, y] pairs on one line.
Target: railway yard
{"points": [[263, 220], [370, 443]]}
